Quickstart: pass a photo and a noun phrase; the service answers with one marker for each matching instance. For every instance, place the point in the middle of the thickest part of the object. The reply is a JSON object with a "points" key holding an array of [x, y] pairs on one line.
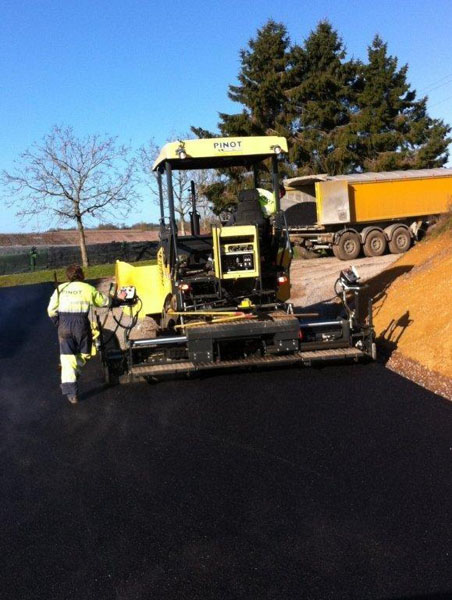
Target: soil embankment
{"points": [[413, 313]]}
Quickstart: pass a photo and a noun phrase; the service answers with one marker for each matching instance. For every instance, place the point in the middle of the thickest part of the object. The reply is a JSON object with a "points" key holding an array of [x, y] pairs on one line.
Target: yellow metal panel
{"points": [[237, 230], [221, 236], [216, 251], [152, 283], [283, 293], [335, 205], [396, 199], [319, 201], [284, 259], [218, 147]]}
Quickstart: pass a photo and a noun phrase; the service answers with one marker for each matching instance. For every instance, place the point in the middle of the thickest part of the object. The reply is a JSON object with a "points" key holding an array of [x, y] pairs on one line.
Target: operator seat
{"points": [[249, 210]]}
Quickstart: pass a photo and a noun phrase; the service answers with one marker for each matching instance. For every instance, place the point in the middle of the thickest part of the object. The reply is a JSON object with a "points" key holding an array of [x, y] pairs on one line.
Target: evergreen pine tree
{"points": [[261, 83], [393, 129], [261, 92], [322, 102], [339, 115]]}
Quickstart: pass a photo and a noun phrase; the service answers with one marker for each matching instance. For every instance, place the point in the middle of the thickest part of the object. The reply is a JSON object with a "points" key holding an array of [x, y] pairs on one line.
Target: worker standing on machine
{"points": [[267, 200], [69, 308]]}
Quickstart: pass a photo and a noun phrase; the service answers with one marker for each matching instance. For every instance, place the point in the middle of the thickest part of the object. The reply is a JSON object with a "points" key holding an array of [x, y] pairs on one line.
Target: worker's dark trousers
{"points": [[75, 337]]}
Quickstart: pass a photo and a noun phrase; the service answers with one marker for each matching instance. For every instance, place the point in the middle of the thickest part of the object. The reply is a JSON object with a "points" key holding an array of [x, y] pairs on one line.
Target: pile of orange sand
{"points": [[413, 305]]}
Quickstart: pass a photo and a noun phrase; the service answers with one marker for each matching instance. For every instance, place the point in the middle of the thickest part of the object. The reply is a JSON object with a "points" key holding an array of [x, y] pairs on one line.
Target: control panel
{"points": [[237, 248], [126, 295], [237, 257], [236, 251]]}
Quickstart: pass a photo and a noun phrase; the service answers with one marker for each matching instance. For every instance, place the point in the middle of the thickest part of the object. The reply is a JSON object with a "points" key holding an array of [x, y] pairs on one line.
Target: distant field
{"points": [[71, 238], [94, 272]]}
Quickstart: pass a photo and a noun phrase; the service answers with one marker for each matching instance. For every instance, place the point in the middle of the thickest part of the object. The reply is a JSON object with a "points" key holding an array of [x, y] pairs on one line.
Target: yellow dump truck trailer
{"points": [[369, 211]]}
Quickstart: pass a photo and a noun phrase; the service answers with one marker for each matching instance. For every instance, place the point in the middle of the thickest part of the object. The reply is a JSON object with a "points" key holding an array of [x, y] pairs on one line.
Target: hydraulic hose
{"points": [[128, 328]]}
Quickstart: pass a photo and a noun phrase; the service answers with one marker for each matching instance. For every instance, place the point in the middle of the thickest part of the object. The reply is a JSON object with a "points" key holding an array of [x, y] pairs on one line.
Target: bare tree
{"points": [[67, 179], [181, 184]]}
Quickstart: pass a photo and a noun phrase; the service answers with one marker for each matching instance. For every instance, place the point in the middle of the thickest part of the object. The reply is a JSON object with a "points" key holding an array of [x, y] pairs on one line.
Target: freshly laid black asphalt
{"points": [[301, 483]]}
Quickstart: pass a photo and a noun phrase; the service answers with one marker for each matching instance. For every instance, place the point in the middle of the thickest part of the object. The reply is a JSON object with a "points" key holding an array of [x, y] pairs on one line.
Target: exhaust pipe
{"points": [[194, 215]]}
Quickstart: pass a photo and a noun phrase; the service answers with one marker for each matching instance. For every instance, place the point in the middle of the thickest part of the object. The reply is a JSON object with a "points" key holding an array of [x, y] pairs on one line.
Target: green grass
{"points": [[94, 272]]}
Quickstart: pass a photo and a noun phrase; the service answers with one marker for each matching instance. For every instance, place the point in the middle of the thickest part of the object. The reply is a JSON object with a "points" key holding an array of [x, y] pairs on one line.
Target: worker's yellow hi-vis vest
{"points": [[267, 201], [75, 297]]}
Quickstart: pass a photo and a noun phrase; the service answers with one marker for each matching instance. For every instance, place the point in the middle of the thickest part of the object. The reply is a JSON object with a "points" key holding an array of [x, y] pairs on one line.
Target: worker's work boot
{"points": [[73, 399]]}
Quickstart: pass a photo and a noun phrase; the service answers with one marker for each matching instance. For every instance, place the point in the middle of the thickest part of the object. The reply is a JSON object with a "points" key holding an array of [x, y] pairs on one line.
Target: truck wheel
{"points": [[348, 247], [401, 241], [375, 244]]}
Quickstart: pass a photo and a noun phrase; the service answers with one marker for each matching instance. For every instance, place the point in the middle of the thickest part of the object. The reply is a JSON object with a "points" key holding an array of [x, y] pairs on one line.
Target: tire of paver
{"points": [[348, 247], [168, 321], [401, 241], [111, 369], [375, 244]]}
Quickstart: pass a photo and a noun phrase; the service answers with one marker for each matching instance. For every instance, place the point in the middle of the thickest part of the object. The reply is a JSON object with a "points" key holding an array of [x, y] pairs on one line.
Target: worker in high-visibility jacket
{"points": [[69, 309], [267, 200]]}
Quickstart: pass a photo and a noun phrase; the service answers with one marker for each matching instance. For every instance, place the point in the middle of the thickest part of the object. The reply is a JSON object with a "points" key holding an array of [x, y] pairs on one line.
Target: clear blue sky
{"points": [[146, 68]]}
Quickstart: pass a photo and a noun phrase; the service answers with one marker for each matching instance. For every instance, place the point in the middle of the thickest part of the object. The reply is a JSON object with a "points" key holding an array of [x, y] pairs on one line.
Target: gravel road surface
{"points": [[313, 280], [300, 483]]}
